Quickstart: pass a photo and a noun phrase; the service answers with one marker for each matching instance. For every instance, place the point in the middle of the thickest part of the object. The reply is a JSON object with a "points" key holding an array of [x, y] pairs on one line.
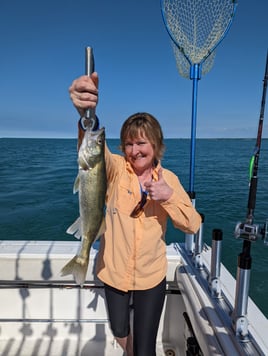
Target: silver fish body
{"points": [[91, 185]]}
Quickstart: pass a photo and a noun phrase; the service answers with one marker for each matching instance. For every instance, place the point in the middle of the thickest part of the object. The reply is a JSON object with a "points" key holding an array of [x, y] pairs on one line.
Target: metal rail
{"points": [[52, 320], [33, 284]]}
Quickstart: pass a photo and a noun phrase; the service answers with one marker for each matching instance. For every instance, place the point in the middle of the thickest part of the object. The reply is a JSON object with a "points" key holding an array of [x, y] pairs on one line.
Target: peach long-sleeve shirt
{"points": [[132, 253]]}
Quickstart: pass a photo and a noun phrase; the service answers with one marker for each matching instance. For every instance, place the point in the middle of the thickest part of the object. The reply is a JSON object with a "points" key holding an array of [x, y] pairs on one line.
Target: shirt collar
{"points": [[155, 169]]}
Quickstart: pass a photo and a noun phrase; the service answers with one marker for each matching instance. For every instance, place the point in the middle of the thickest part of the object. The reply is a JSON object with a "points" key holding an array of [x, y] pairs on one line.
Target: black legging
{"points": [[147, 307]]}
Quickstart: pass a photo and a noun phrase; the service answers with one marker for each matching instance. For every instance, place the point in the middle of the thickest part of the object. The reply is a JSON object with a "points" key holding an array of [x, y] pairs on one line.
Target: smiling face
{"points": [[142, 140], [139, 152]]}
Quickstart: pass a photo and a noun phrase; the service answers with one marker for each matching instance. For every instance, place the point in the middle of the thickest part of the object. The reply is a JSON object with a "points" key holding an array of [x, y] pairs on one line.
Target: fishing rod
{"points": [[249, 232]]}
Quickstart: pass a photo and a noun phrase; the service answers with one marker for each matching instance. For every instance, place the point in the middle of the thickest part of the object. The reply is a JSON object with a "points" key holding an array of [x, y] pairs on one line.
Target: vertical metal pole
{"points": [[195, 75], [199, 246], [239, 317], [215, 265], [89, 69]]}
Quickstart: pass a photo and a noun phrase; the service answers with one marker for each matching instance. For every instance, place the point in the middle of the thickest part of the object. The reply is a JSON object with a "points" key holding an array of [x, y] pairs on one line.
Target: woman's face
{"points": [[139, 152]]}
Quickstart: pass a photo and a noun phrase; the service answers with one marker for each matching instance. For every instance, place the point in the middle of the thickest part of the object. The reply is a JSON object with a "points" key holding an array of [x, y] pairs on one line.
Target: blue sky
{"points": [[42, 51]]}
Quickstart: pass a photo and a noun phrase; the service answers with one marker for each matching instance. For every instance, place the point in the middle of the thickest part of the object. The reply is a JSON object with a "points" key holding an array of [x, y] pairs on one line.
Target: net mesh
{"points": [[196, 27]]}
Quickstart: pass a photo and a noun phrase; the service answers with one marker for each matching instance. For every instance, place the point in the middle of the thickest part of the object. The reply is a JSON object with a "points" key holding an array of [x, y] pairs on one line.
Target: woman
{"points": [[141, 195]]}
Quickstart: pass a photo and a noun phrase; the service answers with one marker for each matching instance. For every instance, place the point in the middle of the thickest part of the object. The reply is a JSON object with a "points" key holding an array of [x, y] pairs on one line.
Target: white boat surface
{"points": [[44, 314]]}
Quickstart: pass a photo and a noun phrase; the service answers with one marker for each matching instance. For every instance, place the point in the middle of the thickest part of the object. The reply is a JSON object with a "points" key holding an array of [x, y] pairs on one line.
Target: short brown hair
{"points": [[147, 125]]}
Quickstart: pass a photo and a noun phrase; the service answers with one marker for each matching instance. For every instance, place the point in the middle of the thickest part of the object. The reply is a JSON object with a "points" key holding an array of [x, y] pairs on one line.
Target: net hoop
{"points": [[196, 27]]}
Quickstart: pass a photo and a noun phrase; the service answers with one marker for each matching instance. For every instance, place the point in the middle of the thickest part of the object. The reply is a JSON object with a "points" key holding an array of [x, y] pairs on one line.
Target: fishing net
{"points": [[196, 27]]}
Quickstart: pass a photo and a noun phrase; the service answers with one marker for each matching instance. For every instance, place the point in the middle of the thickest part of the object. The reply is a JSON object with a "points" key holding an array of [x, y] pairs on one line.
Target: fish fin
{"points": [[77, 266], [76, 184], [75, 229]]}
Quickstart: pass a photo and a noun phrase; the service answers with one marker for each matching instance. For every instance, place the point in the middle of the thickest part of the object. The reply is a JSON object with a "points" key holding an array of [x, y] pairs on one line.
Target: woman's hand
{"points": [[159, 190], [84, 92]]}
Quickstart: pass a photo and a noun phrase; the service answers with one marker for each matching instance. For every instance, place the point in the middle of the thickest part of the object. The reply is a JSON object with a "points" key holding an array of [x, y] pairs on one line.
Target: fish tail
{"points": [[78, 268]]}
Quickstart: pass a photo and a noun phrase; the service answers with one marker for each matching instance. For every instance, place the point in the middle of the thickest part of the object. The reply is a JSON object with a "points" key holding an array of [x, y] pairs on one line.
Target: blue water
{"points": [[37, 175]]}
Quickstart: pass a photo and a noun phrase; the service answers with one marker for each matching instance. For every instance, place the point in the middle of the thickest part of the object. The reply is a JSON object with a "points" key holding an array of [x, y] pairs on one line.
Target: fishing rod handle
{"points": [[89, 61], [89, 69]]}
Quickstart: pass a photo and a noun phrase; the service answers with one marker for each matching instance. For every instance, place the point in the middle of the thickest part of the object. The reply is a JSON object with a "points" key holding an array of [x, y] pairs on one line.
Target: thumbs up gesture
{"points": [[159, 190]]}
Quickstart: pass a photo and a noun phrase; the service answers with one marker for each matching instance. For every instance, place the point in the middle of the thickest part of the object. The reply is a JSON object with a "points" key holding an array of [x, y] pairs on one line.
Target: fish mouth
{"points": [[92, 136]]}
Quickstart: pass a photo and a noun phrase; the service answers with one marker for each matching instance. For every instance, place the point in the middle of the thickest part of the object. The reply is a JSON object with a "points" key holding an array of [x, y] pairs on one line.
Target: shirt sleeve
{"points": [[180, 208], [110, 162]]}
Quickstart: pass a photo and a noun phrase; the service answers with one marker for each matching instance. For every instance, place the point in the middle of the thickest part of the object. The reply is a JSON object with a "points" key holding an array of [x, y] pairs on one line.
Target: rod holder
{"points": [[189, 244], [189, 238], [239, 316], [198, 261], [215, 265]]}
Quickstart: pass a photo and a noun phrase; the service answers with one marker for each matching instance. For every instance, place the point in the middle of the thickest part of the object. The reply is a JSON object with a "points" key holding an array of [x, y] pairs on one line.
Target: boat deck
{"points": [[68, 347], [44, 314]]}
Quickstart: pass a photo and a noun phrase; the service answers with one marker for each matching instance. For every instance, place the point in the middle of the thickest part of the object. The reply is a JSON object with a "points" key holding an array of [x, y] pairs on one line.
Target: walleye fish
{"points": [[91, 185]]}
